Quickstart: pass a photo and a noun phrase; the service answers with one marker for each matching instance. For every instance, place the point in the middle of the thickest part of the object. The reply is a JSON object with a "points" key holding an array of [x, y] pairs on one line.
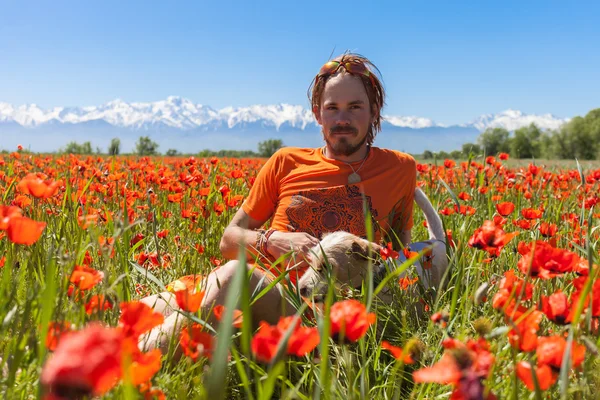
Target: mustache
{"points": [[343, 129]]}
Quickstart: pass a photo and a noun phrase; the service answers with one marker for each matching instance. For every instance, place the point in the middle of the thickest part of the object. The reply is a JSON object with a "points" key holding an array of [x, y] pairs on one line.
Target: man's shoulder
{"points": [[294, 152], [395, 156]]}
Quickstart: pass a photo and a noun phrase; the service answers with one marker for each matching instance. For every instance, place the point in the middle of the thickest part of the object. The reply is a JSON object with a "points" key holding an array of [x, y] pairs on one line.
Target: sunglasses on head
{"points": [[352, 67]]}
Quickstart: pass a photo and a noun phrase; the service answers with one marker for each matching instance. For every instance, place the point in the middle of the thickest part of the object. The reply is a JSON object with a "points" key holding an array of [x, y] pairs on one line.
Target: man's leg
{"points": [[269, 307]]}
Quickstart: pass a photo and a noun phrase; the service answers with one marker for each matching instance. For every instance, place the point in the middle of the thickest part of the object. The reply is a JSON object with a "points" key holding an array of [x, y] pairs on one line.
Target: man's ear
{"points": [[374, 113], [317, 115]]}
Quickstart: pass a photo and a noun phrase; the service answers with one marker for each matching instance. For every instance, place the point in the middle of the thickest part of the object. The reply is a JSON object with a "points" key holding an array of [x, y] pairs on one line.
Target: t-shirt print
{"points": [[319, 211]]}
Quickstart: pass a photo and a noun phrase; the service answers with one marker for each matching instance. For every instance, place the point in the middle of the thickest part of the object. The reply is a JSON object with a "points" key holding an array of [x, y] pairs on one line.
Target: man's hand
{"points": [[300, 243]]}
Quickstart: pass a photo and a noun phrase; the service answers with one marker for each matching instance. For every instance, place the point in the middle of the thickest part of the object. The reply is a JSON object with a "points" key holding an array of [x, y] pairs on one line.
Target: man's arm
{"points": [[241, 229]]}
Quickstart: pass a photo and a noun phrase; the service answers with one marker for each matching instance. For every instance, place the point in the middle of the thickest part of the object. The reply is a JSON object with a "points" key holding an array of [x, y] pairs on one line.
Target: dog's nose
{"points": [[304, 292]]}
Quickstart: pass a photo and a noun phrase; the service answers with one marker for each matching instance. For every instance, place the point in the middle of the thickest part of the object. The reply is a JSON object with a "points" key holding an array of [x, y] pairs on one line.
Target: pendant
{"points": [[353, 178]]}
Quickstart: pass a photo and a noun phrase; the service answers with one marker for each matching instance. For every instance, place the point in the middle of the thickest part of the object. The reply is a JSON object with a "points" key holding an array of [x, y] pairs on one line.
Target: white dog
{"points": [[348, 256]]}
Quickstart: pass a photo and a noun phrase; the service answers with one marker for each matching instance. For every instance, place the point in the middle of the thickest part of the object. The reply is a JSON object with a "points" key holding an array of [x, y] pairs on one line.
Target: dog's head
{"points": [[348, 256]]}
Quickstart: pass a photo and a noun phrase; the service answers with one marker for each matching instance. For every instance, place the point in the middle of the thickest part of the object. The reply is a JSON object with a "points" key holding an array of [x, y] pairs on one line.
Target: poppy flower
{"points": [[464, 366], [545, 261], [449, 163], [140, 367], [397, 352], [303, 340], [22, 230], [531, 213], [237, 315], [490, 238], [55, 331], [350, 320], [33, 185], [548, 230], [545, 376], [266, 341], [387, 252], [524, 336], [97, 303], [196, 343], [189, 300], [405, 282], [138, 318], [505, 209], [85, 362], [550, 351], [85, 278], [6, 213], [556, 307], [503, 156]]}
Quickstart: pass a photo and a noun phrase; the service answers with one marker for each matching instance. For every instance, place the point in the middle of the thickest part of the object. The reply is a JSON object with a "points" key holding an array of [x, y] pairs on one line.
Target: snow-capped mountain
{"points": [[181, 124]]}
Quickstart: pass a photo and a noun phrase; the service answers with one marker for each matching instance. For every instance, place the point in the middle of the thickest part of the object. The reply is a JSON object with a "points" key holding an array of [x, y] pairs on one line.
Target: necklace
{"points": [[354, 177]]}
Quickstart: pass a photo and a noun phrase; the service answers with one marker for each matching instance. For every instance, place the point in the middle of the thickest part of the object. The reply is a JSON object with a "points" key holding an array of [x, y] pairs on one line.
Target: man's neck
{"points": [[359, 155]]}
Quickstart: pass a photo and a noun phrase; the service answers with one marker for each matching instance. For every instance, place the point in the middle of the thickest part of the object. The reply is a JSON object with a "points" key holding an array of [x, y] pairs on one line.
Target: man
{"points": [[306, 192]]}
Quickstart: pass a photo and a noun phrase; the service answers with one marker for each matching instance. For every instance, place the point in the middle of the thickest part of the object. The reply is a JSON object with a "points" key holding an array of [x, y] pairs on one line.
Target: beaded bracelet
{"points": [[264, 243]]}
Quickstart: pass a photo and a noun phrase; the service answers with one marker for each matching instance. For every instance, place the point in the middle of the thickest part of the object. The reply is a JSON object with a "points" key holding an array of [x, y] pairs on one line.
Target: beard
{"points": [[342, 146]]}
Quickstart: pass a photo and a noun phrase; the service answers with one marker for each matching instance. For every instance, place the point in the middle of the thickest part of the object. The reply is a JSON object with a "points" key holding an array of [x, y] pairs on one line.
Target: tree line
{"points": [[579, 138], [145, 146]]}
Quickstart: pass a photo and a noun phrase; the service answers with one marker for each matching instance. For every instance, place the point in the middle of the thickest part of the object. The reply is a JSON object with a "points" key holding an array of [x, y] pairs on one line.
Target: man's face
{"points": [[344, 114]]}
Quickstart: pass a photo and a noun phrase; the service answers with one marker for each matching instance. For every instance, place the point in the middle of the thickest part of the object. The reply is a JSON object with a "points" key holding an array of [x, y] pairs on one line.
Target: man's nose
{"points": [[343, 118]]}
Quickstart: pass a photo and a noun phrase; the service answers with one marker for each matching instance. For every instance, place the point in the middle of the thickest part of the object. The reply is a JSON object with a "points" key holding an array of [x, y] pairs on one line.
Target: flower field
{"points": [[82, 239]]}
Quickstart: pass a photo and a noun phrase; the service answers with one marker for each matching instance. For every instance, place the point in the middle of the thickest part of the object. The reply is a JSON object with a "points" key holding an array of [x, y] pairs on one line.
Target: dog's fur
{"points": [[348, 256]]}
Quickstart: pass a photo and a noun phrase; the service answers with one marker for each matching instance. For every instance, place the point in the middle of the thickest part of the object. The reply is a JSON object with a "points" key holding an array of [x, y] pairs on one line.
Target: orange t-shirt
{"points": [[304, 191]]}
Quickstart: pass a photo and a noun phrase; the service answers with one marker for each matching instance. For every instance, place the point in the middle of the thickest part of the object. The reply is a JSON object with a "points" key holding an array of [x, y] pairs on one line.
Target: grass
{"points": [[121, 198]]}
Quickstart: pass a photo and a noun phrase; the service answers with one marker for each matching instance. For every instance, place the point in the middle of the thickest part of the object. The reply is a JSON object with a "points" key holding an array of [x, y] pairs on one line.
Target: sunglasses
{"points": [[354, 68]]}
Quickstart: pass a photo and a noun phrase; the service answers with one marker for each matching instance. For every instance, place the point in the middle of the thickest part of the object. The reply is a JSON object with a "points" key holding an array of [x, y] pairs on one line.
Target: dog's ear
{"points": [[359, 250]]}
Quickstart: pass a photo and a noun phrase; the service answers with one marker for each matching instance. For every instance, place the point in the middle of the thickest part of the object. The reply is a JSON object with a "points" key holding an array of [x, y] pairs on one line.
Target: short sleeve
{"points": [[403, 211], [264, 194]]}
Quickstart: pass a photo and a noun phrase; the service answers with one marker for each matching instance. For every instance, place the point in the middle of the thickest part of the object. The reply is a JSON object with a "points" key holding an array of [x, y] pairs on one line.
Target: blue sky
{"points": [[446, 61]]}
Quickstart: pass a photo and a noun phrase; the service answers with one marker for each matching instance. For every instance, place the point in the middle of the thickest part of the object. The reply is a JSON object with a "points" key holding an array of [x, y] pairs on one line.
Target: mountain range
{"points": [[178, 123]]}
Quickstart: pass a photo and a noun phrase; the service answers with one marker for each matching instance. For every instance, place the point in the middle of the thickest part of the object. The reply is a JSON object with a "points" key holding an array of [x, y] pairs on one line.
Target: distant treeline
{"points": [[579, 138]]}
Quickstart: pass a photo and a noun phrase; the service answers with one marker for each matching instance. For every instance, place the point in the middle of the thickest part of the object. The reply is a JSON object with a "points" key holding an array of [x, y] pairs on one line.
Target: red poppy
{"points": [[55, 331], [449, 163], [490, 238], [405, 282], [6, 213], [85, 278], [524, 336], [196, 343], [189, 300], [350, 320], [387, 252], [266, 341], [531, 213], [550, 351], [22, 230], [237, 315], [503, 156], [37, 187], [87, 362], [556, 307], [545, 376], [505, 209], [545, 261], [446, 371], [397, 352], [548, 230], [138, 318], [303, 341], [97, 303]]}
